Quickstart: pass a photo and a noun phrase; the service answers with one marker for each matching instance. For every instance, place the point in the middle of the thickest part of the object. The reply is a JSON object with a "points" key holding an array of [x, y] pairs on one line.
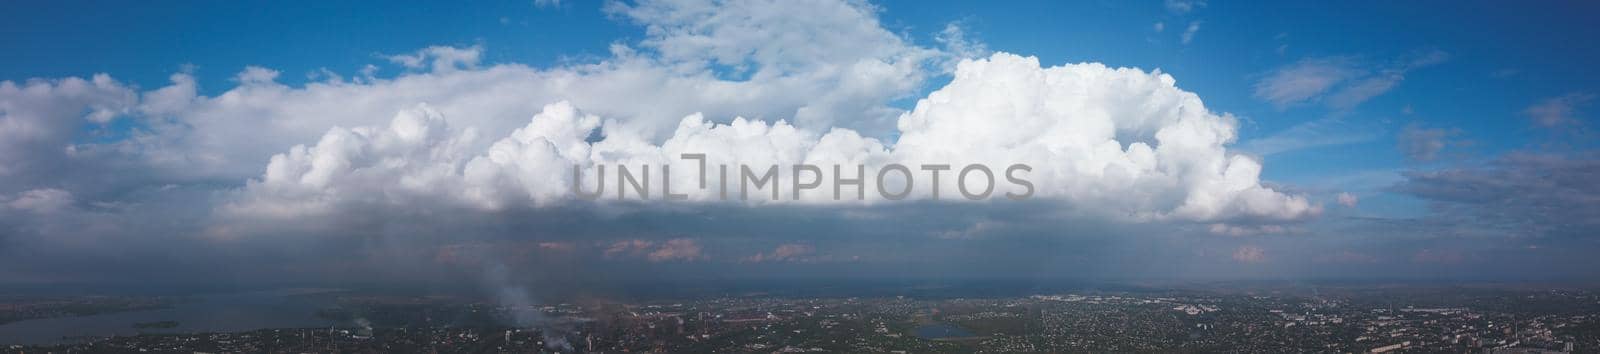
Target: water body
{"points": [[942, 331], [231, 312]]}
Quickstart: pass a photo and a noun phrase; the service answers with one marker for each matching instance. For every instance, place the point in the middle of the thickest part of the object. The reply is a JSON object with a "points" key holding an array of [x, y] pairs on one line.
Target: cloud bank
{"points": [[1121, 140], [359, 172]]}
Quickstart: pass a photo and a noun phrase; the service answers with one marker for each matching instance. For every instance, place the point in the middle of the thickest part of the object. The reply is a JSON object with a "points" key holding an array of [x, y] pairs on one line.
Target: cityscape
{"points": [[1475, 319]]}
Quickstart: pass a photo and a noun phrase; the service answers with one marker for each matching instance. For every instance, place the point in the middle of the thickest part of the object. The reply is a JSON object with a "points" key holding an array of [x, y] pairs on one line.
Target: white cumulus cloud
{"points": [[1121, 140]]}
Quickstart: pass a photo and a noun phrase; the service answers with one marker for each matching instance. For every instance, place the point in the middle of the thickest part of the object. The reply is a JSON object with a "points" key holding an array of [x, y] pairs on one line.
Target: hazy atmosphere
{"points": [[252, 145], [788, 176]]}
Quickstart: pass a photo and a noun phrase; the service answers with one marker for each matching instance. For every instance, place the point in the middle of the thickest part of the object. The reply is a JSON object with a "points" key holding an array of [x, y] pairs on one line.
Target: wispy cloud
{"points": [[1304, 80], [1347, 200], [1365, 89], [1559, 111], [1331, 131], [1188, 33], [1341, 82], [1519, 194], [1423, 144], [1183, 6]]}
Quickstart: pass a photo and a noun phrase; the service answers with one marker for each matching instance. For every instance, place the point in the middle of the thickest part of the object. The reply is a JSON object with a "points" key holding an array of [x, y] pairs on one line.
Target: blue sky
{"points": [[1452, 134], [1501, 59]]}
